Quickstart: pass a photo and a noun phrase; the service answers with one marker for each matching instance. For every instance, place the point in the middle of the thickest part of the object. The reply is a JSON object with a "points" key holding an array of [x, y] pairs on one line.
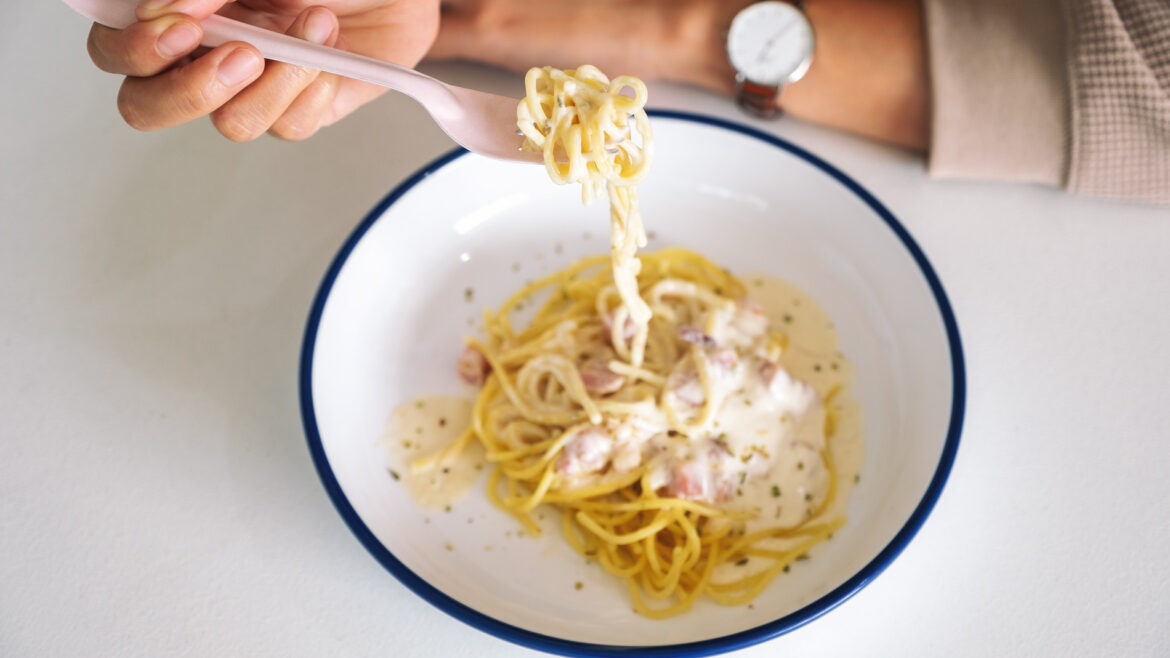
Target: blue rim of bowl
{"points": [[712, 646]]}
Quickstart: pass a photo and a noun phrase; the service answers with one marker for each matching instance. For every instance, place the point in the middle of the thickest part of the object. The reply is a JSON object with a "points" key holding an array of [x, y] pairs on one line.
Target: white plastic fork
{"points": [[478, 121]]}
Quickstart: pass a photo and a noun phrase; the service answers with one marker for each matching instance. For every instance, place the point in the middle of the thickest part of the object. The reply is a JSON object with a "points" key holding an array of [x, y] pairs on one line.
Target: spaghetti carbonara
{"points": [[583, 125], [649, 400]]}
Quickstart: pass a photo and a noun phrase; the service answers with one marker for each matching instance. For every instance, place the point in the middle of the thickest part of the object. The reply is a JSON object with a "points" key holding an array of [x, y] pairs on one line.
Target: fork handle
{"points": [[218, 30]]}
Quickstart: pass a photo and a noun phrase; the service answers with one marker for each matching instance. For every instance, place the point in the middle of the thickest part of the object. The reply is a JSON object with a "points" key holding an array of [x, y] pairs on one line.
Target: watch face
{"points": [[770, 43]]}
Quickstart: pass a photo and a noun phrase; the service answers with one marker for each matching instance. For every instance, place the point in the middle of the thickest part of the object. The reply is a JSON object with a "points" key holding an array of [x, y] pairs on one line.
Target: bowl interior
{"points": [[392, 320]]}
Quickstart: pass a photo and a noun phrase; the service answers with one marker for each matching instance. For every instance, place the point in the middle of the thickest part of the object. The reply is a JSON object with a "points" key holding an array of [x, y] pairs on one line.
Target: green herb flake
{"points": [[442, 422], [775, 491], [787, 568], [787, 317], [802, 557], [469, 294], [816, 367], [578, 585], [447, 508], [800, 466], [857, 478], [393, 473], [740, 562]]}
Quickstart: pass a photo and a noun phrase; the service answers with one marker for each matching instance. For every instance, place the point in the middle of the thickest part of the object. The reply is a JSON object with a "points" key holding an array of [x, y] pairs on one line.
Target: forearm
{"points": [[868, 73]]}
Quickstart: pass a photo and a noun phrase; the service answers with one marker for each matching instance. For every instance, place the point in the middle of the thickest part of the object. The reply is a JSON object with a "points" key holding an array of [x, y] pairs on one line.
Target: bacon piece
{"points": [[695, 336], [688, 480], [472, 367], [696, 480], [750, 318], [627, 457], [784, 387], [723, 361], [585, 453], [684, 384], [628, 328], [718, 449], [768, 371], [599, 379]]}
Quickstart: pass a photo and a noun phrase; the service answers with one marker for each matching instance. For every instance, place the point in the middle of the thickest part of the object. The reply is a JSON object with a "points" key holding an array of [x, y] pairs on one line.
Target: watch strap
{"points": [[759, 100]]}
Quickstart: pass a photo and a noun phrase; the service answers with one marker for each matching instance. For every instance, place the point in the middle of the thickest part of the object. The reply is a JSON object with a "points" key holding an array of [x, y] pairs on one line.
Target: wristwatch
{"points": [[770, 44]]}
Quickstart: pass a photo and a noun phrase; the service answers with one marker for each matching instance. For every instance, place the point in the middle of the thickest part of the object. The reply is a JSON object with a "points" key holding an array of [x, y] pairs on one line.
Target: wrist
{"points": [[696, 42]]}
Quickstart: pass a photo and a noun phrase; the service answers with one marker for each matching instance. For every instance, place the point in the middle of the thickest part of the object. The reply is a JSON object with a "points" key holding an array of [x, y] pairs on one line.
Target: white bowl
{"points": [[390, 315]]}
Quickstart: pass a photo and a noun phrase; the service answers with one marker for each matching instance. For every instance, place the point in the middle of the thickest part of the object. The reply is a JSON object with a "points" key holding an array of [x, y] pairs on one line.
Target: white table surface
{"points": [[157, 497]]}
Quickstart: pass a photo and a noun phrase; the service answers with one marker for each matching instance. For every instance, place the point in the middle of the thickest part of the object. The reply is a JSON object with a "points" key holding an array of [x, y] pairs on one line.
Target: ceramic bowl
{"points": [[391, 313]]}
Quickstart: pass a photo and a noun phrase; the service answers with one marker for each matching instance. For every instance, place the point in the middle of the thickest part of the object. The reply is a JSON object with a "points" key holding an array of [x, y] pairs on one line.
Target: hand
{"points": [[868, 74], [652, 39], [171, 80]]}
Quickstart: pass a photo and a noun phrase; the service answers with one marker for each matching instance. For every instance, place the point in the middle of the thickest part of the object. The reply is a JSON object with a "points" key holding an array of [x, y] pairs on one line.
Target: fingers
{"points": [[200, 9], [310, 111], [288, 99], [166, 31], [144, 48], [190, 91]]}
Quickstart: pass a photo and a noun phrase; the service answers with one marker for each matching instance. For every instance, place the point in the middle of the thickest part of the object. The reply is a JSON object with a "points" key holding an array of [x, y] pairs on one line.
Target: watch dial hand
{"points": [[773, 40]]}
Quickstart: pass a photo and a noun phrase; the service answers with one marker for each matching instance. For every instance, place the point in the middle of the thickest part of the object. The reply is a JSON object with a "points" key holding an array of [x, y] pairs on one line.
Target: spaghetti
{"points": [[584, 126], [649, 400], [667, 471]]}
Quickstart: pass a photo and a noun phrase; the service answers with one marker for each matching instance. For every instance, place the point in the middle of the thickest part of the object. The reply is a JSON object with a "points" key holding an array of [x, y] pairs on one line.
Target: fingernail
{"points": [[178, 39], [237, 67], [318, 26]]}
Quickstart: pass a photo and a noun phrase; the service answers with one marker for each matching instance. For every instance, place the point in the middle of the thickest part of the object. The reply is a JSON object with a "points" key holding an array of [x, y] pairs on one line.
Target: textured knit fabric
{"points": [[1120, 74], [1068, 92]]}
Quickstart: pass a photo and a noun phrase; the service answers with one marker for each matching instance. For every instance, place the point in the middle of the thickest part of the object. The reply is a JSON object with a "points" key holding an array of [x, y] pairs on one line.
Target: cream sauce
{"points": [[812, 355], [419, 428]]}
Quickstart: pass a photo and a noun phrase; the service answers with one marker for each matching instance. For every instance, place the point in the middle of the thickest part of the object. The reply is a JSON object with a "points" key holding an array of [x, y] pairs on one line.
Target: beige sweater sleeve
{"points": [[999, 89], [1073, 93]]}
